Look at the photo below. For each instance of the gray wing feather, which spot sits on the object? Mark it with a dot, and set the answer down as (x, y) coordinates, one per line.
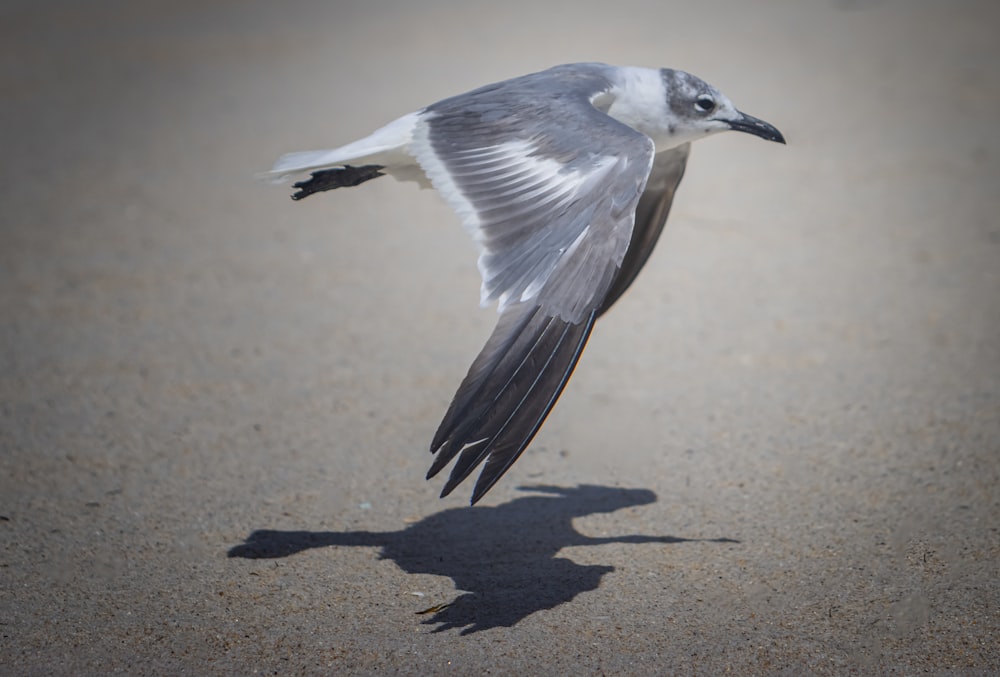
(546, 184)
(509, 390)
(650, 216)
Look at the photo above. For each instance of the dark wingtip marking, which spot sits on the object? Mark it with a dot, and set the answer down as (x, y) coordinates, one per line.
(338, 177)
(506, 396)
(498, 464)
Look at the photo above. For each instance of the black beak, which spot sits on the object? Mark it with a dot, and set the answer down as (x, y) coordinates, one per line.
(751, 125)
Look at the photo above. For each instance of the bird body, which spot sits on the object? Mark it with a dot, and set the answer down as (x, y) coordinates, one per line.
(564, 179)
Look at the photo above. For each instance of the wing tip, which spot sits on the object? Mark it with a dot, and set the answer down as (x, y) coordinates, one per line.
(501, 447)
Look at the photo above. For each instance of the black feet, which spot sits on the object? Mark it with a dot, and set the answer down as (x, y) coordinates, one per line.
(339, 177)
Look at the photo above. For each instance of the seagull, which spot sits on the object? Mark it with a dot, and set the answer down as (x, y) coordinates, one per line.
(564, 179)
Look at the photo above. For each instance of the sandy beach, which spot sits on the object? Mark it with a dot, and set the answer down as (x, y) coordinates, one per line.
(780, 453)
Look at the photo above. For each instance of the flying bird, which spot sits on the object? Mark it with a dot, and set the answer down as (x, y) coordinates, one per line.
(564, 179)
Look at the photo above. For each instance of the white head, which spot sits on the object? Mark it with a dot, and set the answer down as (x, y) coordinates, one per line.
(696, 109)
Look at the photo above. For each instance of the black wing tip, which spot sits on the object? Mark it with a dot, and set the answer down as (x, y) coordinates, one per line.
(501, 449)
(483, 484)
(449, 488)
(337, 177)
(442, 459)
(482, 488)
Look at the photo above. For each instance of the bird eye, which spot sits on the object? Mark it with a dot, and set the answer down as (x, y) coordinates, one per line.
(705, 104)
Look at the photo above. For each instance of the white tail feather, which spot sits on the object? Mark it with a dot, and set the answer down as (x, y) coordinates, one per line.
(388, 146)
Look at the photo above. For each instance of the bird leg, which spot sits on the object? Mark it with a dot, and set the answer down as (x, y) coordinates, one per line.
(338, 177)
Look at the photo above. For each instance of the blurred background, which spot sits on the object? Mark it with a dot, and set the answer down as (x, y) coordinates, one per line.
(806, 376)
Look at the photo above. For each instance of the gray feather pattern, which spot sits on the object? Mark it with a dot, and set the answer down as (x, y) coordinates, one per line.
(522, 167)
(650, 217)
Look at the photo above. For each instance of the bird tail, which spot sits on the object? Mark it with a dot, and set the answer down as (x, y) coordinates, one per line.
(387, 147)
(291, 165)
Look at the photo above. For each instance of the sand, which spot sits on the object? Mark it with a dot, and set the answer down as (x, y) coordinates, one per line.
(780, 453)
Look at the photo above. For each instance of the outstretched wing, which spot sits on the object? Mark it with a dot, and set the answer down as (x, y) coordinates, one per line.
(548, 187)
(508, 392)
(650, 216)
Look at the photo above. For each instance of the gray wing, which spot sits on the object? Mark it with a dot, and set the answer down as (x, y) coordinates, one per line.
(509, 390)
(650, 216)
(548, 187)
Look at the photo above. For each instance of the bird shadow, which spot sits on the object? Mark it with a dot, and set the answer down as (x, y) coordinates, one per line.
(503, 558)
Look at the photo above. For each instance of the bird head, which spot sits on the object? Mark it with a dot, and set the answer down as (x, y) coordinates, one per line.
(698, 109)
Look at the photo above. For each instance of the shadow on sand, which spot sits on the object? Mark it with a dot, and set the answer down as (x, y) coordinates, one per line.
(504, 557)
